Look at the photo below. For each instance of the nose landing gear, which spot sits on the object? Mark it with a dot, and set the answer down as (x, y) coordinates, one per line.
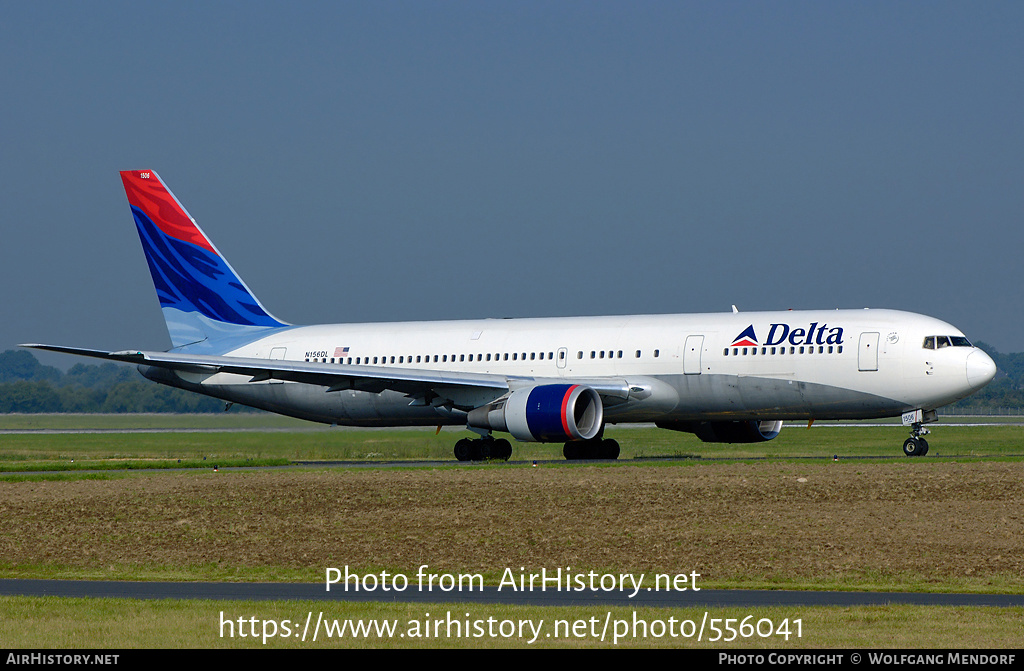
(916, 446)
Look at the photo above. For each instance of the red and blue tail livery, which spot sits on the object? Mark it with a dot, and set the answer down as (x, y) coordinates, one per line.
(200, 294)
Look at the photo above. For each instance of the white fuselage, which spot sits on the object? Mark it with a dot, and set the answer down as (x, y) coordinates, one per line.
(849, 364)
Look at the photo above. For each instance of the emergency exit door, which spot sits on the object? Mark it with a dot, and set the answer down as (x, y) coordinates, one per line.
(691, 354)
(867, 353)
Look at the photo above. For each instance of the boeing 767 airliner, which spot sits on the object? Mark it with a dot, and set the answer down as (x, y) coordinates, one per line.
(729, 377)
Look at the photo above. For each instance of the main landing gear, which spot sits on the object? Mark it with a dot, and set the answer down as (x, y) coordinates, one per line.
(598, 448)
(916, 446)
(482, 449)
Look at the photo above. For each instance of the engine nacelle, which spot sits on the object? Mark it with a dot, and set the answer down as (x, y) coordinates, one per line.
(751, 431)
(548, 413)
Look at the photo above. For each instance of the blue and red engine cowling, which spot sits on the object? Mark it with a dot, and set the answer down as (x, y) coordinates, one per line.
(549, 413)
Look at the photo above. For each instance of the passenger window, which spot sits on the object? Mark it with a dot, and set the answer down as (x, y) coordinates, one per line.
(656, 353)
(725, 352)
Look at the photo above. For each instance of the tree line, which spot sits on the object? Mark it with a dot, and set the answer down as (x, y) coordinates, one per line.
(27, 386)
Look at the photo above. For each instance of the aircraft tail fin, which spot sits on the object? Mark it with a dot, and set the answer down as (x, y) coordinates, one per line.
(201, 295)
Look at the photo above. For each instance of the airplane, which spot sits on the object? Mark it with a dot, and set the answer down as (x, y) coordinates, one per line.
(730, 377)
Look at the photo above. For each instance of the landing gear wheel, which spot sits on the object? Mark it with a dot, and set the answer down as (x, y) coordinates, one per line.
(464, 449)
(912, 447)
(502, 449)
(591, 449)
(485, 448)
(916, 445)
(609, 449)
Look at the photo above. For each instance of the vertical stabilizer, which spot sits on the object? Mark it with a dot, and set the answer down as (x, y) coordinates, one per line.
(202, 297)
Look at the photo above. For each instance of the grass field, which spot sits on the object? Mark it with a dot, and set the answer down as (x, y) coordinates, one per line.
(951, 521)
(259, 439)
(55, 623)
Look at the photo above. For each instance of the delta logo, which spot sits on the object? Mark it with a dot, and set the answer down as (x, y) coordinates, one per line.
(778, 334)
(746, 339)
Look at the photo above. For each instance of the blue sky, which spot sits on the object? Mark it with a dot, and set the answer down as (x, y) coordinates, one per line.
(388, 161)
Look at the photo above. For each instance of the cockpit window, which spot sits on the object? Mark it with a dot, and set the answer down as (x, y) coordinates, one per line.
(938, 342)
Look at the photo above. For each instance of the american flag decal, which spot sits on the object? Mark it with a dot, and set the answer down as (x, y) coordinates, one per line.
(340, 351)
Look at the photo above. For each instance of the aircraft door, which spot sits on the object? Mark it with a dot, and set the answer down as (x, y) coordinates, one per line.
(691, 354)
(867, 353)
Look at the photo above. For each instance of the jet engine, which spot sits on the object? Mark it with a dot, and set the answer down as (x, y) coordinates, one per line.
(548, 413)
(751, 431)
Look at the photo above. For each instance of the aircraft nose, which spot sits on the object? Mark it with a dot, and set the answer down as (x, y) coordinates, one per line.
(980, 369)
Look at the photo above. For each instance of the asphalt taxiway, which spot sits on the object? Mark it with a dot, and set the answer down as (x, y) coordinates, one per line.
(118, 589)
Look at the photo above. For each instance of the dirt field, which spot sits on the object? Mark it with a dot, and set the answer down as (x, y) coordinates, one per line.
(869, 524)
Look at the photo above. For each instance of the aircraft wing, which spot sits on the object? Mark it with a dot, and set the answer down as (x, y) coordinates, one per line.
(462, 388)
